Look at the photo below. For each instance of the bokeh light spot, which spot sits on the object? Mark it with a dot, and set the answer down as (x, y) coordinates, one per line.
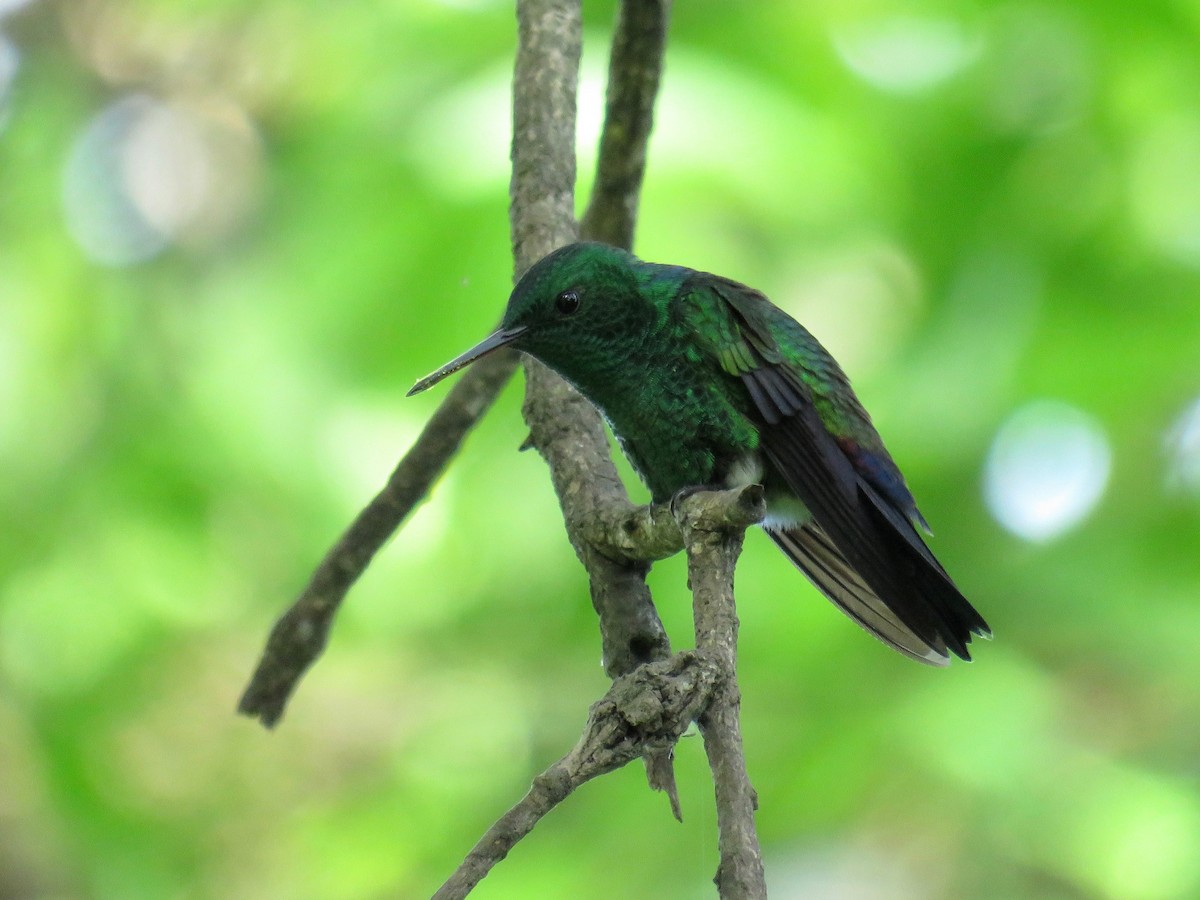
(11, 6)
(101, 215)
(1183, 450)
(165, 169)
(1047, 469)
(905, 54)
(10, 61)
(146, 173)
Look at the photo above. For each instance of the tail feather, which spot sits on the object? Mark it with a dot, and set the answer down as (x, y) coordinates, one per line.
(862, 550)
(811, 550)
(930, 581)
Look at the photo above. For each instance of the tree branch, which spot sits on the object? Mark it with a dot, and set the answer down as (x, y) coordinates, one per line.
(646, 710)
(713, 534)
(634, 72)
(299, 636)
(644, 713)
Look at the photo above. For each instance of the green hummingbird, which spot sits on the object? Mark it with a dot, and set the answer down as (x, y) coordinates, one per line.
(706, 383)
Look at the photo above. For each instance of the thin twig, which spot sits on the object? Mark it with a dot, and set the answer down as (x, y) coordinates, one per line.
(646, 710)
(712, 550)
(299, 636)
(634, 73)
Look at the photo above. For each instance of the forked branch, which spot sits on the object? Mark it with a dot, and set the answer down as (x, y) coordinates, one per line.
(643, 711)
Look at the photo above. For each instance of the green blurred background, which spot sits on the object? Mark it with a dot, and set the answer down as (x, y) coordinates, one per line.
(232, 234)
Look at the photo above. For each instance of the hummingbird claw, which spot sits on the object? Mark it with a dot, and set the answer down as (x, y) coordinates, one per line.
(682, 494)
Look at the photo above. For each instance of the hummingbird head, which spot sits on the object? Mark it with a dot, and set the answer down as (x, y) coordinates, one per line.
(572, 309)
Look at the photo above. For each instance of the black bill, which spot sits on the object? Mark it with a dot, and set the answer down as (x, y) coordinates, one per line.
(494, 341)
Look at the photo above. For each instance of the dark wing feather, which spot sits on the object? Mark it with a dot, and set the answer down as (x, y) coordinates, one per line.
(917, 590)
(810, 549)
(930, 579)
(862, 551)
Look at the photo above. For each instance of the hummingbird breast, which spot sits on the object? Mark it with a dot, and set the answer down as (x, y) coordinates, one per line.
(678, 423)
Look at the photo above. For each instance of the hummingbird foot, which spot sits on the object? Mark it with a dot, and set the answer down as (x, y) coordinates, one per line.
(682, 494)
(726, 508)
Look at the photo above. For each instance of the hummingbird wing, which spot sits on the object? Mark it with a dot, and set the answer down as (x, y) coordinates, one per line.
(813, 553)
(860, 547)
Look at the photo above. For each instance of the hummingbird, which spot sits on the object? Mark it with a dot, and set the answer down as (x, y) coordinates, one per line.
(707, 384)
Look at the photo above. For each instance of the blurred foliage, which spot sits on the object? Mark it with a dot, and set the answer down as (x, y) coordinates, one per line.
(233, 234)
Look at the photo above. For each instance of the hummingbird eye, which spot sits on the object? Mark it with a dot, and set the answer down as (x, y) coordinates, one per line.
(567, 302)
